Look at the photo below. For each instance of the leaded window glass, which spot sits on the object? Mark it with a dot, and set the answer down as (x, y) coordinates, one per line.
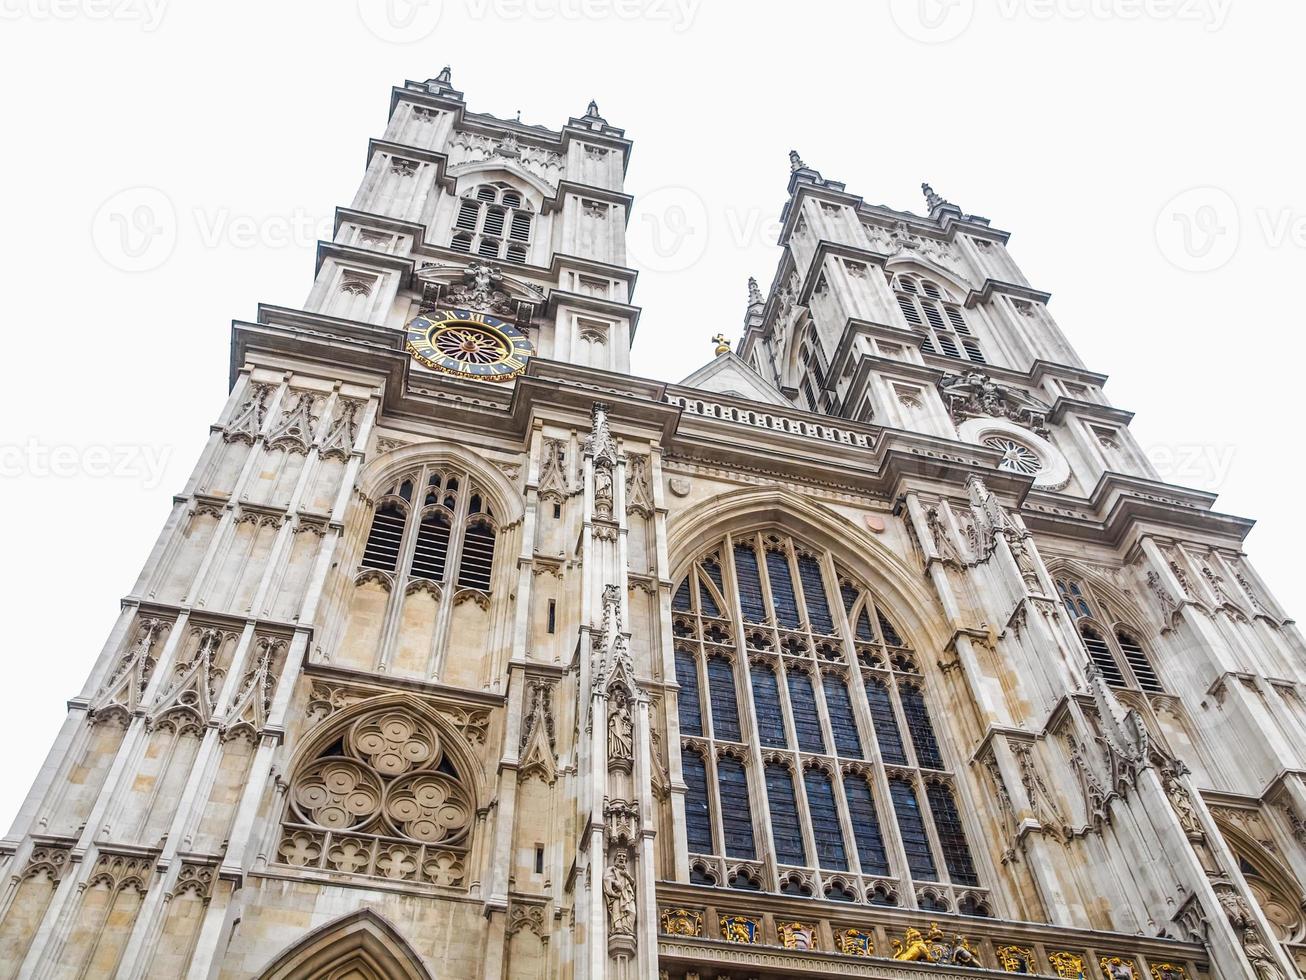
(736, 811)
(698, 815)
(952, 839)
(818, 607)
(782, 589)
(886, 724)
(847, 741)
(802, 701)
(750, 584)
(866, 825)
(786, 831)
(766, 611)
(825, 820)
(766, 704)
(725, 705)
(690, 711)
(918, 724)
(911, 825)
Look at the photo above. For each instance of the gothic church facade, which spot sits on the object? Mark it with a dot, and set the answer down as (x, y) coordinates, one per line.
(874, 648)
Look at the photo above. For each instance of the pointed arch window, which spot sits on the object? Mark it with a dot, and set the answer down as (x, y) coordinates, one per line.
(806, 628)
(493, 221)
(928, 310)
(425, 526)
(1114, 649)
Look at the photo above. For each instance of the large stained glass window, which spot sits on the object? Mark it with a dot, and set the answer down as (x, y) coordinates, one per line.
(774, 643)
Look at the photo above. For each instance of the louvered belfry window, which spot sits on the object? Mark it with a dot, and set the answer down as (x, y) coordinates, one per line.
(1113, 647)
(434, 525)
(493, 221)
(929, 311)
(780, 647)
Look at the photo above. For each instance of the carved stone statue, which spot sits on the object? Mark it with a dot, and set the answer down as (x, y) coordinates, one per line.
(619, 894)
(943, 543)
(912, 947)
(1182, 803)
(1235, 908)
(621, 743)
(1261, 959)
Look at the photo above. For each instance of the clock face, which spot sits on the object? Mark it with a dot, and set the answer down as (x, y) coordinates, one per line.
(469, 345)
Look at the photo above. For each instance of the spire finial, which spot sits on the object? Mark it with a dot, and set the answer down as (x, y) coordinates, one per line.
(446, 75)
(796, 162)
(722, 344)
(754, 293)
(934, 200)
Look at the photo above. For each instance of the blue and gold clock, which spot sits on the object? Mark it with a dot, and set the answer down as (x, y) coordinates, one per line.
(469, 345)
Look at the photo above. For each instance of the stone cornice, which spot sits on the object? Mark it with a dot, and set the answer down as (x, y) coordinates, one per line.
(994, 287)
(1064, 407)
(593, 304)
(781, 443)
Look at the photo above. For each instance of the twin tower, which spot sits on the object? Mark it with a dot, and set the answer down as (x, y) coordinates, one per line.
(874, 648)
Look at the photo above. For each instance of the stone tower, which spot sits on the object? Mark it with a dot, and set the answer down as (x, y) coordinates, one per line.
(464, 653)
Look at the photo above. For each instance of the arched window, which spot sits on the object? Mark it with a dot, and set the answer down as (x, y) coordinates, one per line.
(1115, 650)
(927, 309)
(812, 371)
(419, 532)
(381, 797)
(493, 221)
(802, 659)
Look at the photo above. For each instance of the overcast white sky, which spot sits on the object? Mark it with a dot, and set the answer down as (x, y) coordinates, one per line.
(1081, 126)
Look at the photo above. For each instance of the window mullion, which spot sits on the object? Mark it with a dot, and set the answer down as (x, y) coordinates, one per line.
(459, 529)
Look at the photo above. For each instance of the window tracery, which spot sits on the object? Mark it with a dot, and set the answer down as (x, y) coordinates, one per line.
(1113, 648)
(927, 308)
(382, 799)
(774, 645)
(429, 523)
(494, 221)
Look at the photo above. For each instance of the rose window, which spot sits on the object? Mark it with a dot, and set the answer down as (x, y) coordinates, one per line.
(1016, 456)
